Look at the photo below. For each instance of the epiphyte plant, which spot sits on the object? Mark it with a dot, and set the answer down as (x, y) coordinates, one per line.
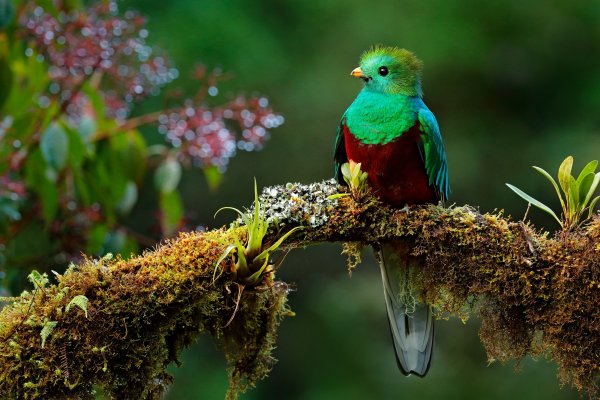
(355, 178)
(577, 196)
(251, 262)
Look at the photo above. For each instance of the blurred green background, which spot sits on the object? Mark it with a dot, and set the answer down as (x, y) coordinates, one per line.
(513, 83)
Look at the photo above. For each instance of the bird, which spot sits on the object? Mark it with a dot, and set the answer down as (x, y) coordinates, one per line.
(394, 136)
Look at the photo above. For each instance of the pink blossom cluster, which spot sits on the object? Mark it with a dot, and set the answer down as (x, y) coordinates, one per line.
(211, 136)
(12, 188)
(98, 40)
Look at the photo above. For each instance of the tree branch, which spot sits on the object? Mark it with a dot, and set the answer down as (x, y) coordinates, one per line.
(534, 294)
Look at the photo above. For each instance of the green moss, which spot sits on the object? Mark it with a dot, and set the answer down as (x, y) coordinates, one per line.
(535, 294)
(141, 313)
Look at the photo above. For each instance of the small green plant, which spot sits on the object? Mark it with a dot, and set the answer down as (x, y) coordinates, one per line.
(356, 180)
(355, 177)
(577, 196)
(252, 261)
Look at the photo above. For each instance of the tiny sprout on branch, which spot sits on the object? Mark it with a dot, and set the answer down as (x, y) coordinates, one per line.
(355, 178)
(251, 262)
(577, 196)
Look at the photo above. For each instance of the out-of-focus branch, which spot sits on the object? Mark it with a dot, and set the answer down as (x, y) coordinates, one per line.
(535, 295)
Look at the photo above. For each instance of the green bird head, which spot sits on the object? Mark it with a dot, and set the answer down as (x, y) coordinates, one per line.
(390, 70)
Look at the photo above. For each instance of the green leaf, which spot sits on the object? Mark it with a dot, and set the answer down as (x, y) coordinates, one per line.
(345, 169)
(77, 149)
(47, 329)
(242, 262)
(337, 196)
(533, 201)
(38, 280)
(275, 246)
(564, 175)
(253, 279)
(573, 194)
(167, 175)
(6, 75)
(553, 182)
(129, 198)
(49, 196)
(257, 228)
(96, 238)
(87, 128)
(592, 205)
(133, 156)
(6, 13)
(241, 214)
(54, 145)
(592, 189)
(80, 301)
(589, 168)
(584, 186)
(37, 178)
(213, 178)
(228, 250)
(171, 209)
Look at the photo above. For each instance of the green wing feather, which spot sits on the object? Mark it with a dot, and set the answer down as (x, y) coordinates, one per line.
(434, 154)
(339, 154)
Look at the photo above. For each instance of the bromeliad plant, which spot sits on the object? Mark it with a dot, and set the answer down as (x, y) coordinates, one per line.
(578, 193)
(251, 262)
(355, 178)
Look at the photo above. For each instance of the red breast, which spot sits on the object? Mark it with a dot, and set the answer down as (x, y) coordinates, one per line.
(396, 170)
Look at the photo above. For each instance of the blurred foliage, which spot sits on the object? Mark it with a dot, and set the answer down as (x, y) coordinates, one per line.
(73, 159)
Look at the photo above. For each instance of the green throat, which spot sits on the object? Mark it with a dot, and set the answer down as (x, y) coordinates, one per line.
(379, 118)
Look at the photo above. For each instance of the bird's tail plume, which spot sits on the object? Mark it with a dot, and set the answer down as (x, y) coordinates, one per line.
(411, 321)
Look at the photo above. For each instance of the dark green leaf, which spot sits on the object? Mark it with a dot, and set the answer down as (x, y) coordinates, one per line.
(167, 175)
(54, 144)
(49, 196)
(592, 205)
(213, 178)
(129, 152)
(592, 189)
(87, 128)
(589, 168)
(96, 239)
(77, 149)
(171, 209)
(573, 195)
(129, 198)
(6, 13)
(6, 77)
(584, 186)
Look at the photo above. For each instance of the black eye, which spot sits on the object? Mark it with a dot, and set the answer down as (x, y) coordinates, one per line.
(383, 71)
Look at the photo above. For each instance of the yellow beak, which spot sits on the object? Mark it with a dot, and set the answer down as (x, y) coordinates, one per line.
(357, 72)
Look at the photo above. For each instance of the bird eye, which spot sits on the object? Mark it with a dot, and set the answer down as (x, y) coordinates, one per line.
(383, 71)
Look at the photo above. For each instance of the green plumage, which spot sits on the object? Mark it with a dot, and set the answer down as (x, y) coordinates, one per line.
(379, 118)
(390, 105)
(396, 138)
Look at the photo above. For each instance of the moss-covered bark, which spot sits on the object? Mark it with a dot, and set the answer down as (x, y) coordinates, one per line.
(535, 295)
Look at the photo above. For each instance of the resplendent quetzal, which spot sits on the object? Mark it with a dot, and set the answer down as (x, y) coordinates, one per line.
(391, 132)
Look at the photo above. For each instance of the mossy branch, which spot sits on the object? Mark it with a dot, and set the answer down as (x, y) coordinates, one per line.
(535, 294)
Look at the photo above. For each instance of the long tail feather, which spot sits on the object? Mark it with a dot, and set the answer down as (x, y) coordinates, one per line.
(411, 322)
